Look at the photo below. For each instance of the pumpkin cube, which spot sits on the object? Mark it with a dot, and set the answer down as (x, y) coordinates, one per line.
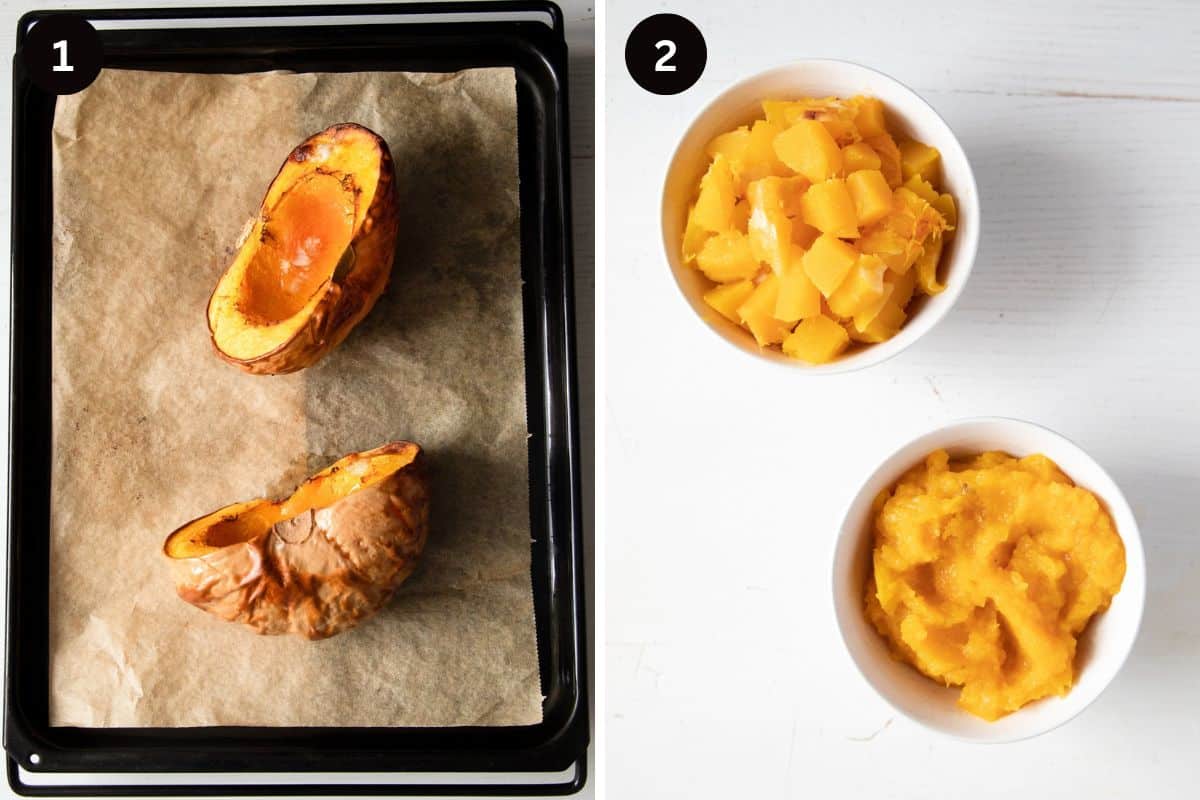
(732, 146)
(872, 195)
(885, 325)
(694, 237)
(915, 219)
(792, 191)
(798, 298)
(760, 159)
(919, 159)
(804, 234)
(921, 188)
(927, 267)
(727, 257)
(945, 206)
(714, 206)
(841, 129)
(741, 215)
(903, 286)
(896, 250)
(758, 312)
(829, 208)
(859, 155)
(828, 261)
(769, 228)
(869, 119)
(817, 340)
(889, 158)
(866, 315)
(809, 149)
(727, 298)
(862, 287)
(783, 112)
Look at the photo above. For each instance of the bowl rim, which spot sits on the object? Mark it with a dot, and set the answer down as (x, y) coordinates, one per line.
(878, 353)
(1131, 539)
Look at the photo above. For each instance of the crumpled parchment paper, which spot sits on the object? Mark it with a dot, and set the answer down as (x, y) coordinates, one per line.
(155, 175)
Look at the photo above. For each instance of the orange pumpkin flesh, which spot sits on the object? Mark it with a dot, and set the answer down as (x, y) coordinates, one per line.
(306, 235)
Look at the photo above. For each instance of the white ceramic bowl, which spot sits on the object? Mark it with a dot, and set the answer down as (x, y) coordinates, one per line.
(907, 114)
(1103, 647)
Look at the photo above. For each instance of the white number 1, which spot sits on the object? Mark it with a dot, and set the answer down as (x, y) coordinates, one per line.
(62, 65)
(661, 65)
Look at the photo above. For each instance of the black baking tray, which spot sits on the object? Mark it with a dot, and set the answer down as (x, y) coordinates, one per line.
(428, 37)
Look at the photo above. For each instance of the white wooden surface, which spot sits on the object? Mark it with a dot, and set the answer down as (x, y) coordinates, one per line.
(725, 480)
(579, 16)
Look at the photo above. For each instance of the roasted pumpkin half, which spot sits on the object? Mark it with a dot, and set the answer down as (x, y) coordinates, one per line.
(318, 562)
(314, 260)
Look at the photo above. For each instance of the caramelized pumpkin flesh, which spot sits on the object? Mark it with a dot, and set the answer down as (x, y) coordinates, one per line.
(302, 241)
(986, 570)
(242, 522)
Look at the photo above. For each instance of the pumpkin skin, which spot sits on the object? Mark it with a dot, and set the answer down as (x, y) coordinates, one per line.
(315, 259)
(317, 563)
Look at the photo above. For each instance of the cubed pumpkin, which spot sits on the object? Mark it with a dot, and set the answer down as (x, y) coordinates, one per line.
(917, 219)
(799, 297)
(849, 221)
(829, 208)
(862, 287)
(758, 312)
(842, 129)
(817, 340)
(741, 215)
(859, 155)
(919, 159)
(808, 149)
(804, 234)
(732, 146)
(889, 157)
(895, 250)
(945, 206)
(727, 298)
(921, 187)
(785, 112)
(872, 195)
(792, 190)
(694, 237)
(905, 285)
(927, 267)
(885, 325)
(761, 160)
(770, 230)
(870, 118)
(714, 206)
(727, 257)
(828, 261)
(782, 112)
(866, 315)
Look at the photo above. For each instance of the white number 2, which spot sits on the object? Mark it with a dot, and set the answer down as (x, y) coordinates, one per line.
(62, 65)
(661, 65)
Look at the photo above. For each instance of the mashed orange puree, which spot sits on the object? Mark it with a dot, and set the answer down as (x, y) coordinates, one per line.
(985, 571)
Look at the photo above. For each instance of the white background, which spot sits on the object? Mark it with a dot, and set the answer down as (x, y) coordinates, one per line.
(580, 24)
(725, 479)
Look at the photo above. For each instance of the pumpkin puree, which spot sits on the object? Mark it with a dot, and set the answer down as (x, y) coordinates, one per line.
(986, 570)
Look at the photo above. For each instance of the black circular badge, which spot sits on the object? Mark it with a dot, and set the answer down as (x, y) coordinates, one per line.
(666, 54)
(63, 53)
